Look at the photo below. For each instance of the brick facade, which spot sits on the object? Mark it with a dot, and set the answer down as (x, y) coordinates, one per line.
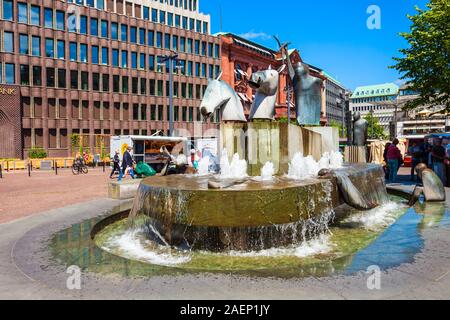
(10, 122)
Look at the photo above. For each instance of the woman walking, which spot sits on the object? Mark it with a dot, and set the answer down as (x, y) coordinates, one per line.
(395, 159)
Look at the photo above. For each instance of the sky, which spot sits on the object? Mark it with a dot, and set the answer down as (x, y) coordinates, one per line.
(331, 35)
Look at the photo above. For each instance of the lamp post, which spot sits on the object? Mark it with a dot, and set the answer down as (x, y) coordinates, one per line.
(172, 57)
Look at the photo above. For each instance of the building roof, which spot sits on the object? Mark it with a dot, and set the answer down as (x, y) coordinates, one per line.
(378, 90)
(247, 43)
(330, 77)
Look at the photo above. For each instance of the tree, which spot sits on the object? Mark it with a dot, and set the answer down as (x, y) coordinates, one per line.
(425, 64)
(338, 125)
(375, 130)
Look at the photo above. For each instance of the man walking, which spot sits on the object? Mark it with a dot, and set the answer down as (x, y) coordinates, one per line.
(127, 164)
(116, 165)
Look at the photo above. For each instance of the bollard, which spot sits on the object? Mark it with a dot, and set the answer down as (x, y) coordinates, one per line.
(1, 173)
(56, 166)
(104, 165)
(29, 170)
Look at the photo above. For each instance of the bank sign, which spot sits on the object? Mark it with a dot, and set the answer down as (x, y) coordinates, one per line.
(7, 91)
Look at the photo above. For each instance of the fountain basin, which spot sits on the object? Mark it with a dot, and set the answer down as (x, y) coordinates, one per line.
(254, 215)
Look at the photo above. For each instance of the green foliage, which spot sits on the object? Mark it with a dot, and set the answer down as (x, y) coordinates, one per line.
(375, 130)
(335, 124)
(37, 153)
(425, 64)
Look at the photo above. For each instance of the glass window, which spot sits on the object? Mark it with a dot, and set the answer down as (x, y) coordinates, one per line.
(94, 27)
(151, 38)
(162, 16)
(124, 59)
(23, 12)
(83, 24)
(142, 36)
(175, 43)
(8, 11)
(177, 21)
(61, 78)
(8, 41)
(154, 15)
(115, 57)
(146, 13)
(170, 19)
(23, 44)
(60, 20)
(198, 26)
(114, 31)
(48, 18)
(189, 48)
(10, 76)
(83, 52)
(104, 26)
(134, 60)
(74, 79)
(159, 39)
(142, 61)
(124, 84)
(50, 77)
(49, 48)
(71, 23)
(205, 27)
(183, 44)
(73, 51)
(185, 23)
(124, 32)
(37, 76)
(105, 56)
(61, 49)
(95, 52)
(151, 62)
(24, 74)
(84, 80)
(197, 47)
(105, 82)
(35, 15)
(216, 51)
(133, 34)
(101, 4)
(167, 41)
(36, 46)
(96, 81)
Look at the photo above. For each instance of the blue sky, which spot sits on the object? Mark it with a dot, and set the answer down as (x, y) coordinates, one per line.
(332, 35)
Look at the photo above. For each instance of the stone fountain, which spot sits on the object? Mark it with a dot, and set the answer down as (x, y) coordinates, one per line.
(271, 194)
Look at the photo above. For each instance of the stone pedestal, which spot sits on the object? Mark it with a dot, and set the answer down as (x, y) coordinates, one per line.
(263, 141)
(123, 190)
(354, 154)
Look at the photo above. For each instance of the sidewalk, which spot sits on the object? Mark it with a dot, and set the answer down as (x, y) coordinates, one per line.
(22, 196)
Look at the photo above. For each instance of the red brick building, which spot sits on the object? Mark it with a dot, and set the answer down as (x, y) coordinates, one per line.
(241, 57)
(102, 75)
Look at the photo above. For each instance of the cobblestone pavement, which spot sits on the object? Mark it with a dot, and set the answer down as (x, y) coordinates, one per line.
(22, 196)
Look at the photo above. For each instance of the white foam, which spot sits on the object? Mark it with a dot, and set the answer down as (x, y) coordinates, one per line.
(237, 169)
(203, 166)
(380, 217)
(310, 248)
(301, 167)
(130, 244)
(267, 172)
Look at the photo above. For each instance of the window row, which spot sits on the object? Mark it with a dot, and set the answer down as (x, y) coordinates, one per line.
(58, 109)
(31, 14)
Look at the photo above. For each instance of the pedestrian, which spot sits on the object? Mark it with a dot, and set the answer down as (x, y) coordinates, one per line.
(127, 164)
(116, 164)
(438, 157)
(386, 166)
(416, 153)
(395, 159)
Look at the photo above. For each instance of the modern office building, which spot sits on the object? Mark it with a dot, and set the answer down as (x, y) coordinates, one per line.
(380, 100)
(335, 100)
(95, 67)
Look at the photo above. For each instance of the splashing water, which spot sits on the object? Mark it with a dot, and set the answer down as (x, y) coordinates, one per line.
(237, 169)
(131, 244)
(203, 166)
(306, 167)
(267, 172)
(378, 218)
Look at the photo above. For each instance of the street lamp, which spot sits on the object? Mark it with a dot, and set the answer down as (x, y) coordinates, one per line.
(172, 57)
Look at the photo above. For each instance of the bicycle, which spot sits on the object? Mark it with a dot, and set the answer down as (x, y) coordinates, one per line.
(79, 167)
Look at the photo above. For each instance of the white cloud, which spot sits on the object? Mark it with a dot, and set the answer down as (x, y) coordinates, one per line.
(252, 35)
(400, 82)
